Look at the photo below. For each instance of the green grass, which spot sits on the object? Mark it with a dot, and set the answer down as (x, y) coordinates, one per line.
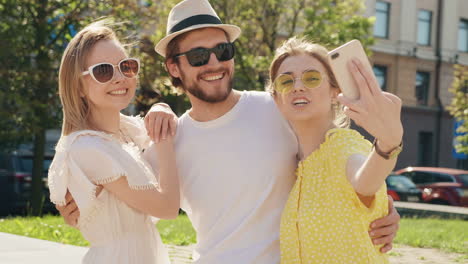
(176, 232)
(48, 228)
(445, 234)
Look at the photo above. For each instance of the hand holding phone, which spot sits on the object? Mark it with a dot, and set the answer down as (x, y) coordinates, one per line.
(338, 60)
(379, 113)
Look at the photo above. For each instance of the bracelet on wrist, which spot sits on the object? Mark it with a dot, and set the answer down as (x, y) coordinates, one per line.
(393, 153)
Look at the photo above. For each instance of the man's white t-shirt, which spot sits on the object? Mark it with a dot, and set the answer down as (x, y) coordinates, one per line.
(235, 175)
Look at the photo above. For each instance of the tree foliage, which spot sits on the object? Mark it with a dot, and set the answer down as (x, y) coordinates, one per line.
(333, 23)
(266, 23)
(35, 33)
(34, 36)
(459, 106)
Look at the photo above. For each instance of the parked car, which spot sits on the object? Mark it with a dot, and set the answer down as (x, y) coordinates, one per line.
(402, 189)
(16, 181)
(440, 185)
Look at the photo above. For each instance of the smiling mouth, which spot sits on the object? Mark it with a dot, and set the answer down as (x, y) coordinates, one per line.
(213, 77)
(118, 92)
(300, 102)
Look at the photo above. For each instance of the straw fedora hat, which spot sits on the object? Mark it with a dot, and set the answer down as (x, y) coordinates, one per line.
(189, 15)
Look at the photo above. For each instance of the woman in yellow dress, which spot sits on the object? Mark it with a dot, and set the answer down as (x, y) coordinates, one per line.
(340, 186)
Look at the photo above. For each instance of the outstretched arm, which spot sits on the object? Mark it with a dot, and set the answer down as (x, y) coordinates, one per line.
(379, 114)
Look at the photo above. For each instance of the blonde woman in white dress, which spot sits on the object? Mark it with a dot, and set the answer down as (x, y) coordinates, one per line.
(98, 158)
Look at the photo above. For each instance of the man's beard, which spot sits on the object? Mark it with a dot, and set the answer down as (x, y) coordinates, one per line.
(197, 91)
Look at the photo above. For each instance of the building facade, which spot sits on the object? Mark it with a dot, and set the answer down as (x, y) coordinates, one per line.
(417, 44)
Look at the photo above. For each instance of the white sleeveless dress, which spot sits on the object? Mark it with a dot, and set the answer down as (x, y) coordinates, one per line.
(116, 232)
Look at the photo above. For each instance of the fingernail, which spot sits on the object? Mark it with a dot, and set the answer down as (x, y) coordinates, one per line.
(371, 233)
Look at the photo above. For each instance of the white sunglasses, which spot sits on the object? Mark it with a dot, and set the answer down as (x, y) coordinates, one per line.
(104, 72)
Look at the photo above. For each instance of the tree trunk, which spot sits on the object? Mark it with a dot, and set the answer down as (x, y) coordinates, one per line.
(43, 63)
(37, 195)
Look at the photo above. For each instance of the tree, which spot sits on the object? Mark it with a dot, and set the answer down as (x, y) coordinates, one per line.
(266, 23)
(333, 23)
(35, 33)
(459, 106)
(34, 36)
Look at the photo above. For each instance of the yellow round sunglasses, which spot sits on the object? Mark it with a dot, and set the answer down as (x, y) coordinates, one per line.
(284, 83)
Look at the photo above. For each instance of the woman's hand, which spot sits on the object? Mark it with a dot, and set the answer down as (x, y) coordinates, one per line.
(376, 111)
(160, 122)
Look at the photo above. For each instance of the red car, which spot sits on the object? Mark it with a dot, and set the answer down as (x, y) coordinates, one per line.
(440, 185)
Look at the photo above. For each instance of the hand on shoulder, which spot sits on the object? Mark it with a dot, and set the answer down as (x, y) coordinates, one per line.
(161, 122)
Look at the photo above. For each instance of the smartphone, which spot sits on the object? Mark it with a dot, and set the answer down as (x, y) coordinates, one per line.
(338, 59)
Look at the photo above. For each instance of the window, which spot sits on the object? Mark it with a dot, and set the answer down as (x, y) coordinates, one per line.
(443, 178)
(408, 174)
(382, 10)
(464, 179)
(381, 75)
(463, 35)
(425, 149)
(25, 163)
(420, 177)
(399, 182)
(5, 165)
(424, 27)
(422, 87)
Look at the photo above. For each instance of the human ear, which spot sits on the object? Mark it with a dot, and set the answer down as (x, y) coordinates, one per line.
(173, 68)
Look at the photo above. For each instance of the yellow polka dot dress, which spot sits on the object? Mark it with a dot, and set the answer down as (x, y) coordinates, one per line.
(324, 220)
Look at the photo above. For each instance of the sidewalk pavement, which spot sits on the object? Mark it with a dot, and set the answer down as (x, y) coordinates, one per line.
(16, 249)
(24, 250)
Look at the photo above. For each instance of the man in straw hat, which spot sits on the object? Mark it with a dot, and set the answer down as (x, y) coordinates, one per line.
(236, 155)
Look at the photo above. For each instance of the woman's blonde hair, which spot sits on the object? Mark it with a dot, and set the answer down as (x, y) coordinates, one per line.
(299, 46)
(76, 107)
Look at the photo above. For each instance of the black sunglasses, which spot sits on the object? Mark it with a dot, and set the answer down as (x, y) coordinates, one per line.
(200, 56)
